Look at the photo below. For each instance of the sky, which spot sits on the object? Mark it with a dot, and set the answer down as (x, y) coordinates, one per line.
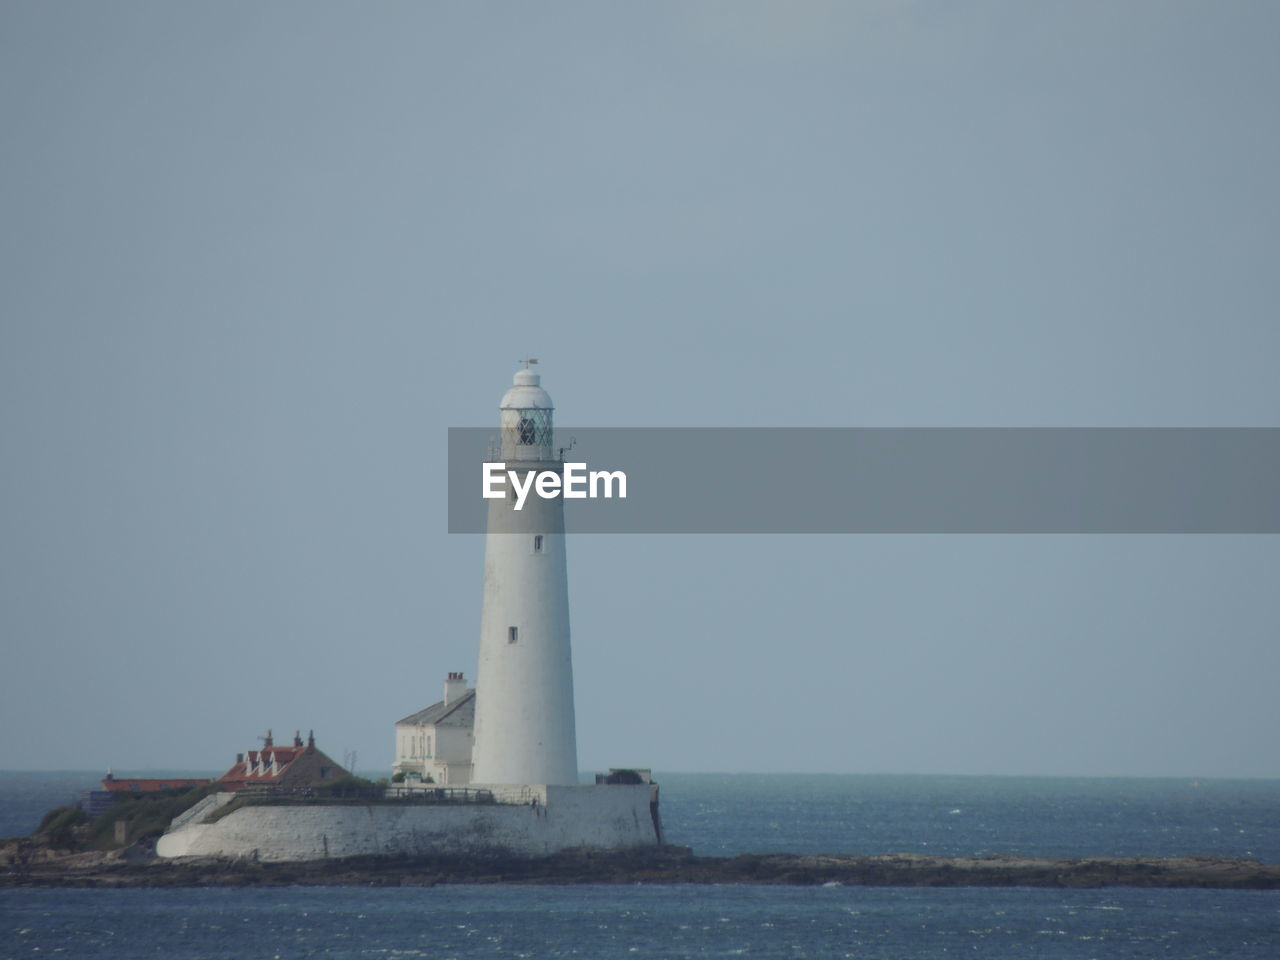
(257, 258)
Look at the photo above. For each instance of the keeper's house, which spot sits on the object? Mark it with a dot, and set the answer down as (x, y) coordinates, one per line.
(434, 744)
(284, 768)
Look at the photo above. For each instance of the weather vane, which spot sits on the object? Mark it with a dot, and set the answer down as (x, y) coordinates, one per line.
(527, 362)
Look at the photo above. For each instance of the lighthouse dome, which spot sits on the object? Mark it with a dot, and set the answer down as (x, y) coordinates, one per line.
(525, 393)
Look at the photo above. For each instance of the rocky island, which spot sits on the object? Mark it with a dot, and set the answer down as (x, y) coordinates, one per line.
(30, 864)
(117, 848)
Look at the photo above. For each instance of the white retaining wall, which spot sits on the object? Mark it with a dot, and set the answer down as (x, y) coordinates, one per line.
(601, 816)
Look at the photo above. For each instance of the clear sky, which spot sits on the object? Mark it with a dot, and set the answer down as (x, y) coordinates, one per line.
(255, 258)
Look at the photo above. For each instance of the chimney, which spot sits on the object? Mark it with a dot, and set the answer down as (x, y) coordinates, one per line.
(239, 758)
(297, 738)
(311, 739)
(455, 688)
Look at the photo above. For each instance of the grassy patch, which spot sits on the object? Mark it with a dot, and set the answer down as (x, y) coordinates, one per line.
(58, 827)
(144, 815)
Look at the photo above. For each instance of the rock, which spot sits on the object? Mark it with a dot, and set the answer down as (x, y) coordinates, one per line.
(135, 867)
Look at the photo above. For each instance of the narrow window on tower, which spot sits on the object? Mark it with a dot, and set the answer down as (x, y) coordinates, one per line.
(537, 543)
(513, 634)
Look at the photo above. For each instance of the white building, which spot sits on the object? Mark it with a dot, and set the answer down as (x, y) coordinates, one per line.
(434, 744)
(525, 731)
(517, 726)
(508, 748)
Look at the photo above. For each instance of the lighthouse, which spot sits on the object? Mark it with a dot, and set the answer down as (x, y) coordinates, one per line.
(497, 766)
(524, 722)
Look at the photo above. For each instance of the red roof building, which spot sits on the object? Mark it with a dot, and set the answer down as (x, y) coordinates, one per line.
(149, 785)
(297, 765)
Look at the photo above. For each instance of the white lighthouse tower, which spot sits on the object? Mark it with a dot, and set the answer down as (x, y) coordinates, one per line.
(519, 754)
(524, 728)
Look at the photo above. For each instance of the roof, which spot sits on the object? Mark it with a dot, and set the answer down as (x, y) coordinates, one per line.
(242, 772)
(526, 392)
(150, 784)
(459, 713)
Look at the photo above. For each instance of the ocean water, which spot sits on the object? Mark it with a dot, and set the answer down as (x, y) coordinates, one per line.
(725, 815)
(600, 923)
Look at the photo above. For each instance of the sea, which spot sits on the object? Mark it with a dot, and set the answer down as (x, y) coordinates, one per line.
(724, 815)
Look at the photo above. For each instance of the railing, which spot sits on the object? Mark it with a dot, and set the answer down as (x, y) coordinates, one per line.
(265, 794)
(439, 795)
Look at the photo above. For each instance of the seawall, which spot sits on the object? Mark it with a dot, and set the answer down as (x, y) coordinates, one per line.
(601, 817)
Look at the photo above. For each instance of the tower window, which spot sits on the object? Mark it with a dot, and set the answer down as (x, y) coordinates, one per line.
(513, 634)
(527, 431)
(537, 543)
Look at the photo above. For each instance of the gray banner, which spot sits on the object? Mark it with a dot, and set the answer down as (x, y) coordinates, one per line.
(855, 480)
